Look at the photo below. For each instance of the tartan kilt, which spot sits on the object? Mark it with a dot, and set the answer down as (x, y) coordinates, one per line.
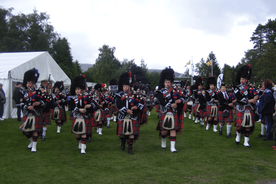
(38, 122)
(230, 118)
(135, 127)
(47, 117)
(110, 113)
(178, 126)
(102, 118)
(194, 107)
(239, 117)
(150, 107)
(113, 109)
(157, 108)
(144, 117)
(202, 113)
(88, 126)
(185, 107)
(208, 110)
(92, 121)
(62, 115)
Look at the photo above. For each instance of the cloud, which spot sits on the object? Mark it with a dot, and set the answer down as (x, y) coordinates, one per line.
(162, 32)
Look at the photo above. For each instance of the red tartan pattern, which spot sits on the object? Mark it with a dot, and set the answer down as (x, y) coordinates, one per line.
(144, 118)
(135, 127)
(157, 108)
(62, 115)
(47, 117)
(181, 122)
(185, 107)
(38, 122)
(208, 110)
(102, 119)
(114, 109)
(230, 118)
(150, 107)
(88, 126)
(178, 126)
(239, 117)
(110, 112)
(202, 113)
(195, 108)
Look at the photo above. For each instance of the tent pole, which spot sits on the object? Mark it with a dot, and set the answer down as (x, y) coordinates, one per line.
(10, 96)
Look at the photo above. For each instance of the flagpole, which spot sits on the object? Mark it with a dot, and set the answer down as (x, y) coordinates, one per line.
(212, 69)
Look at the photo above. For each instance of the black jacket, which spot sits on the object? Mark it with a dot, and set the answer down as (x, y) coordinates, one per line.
(17, 95)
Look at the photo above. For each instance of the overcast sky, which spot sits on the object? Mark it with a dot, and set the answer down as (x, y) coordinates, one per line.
(162, 32)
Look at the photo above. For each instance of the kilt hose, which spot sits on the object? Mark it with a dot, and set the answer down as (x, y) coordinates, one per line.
(88, 126)
(178, 126)
(135, 127)
(229, 119)
(38, 122)
(47, 120)
(239, 117)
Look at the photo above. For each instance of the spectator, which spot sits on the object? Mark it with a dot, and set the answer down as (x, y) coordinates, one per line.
(2, 101)
(17, 95)
(266, 108)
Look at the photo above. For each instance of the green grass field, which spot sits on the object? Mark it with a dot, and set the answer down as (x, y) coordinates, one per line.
(202, 157)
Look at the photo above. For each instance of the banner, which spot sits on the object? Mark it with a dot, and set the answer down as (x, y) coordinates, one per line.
(219, 81)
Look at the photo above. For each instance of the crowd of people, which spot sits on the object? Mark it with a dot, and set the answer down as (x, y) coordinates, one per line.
(128, 103)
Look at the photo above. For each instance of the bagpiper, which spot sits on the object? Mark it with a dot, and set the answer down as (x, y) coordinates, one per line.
(225, 110)
(244, 111)
(59, 114)
(32, 103)
(212, 106)
(81, 124)
(170, 103)
(128, 125)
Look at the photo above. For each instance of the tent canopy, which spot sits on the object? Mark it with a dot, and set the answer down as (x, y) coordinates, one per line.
(17, 63)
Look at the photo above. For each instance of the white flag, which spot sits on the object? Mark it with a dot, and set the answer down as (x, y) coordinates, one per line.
(219, 81)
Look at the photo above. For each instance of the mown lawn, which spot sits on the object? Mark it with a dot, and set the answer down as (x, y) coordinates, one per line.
(202, 157)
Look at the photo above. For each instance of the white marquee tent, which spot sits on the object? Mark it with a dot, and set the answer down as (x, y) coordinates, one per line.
(13, 65)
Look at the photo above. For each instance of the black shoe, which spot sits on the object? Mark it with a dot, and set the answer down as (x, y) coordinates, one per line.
(228, 135)
(220, 132)
(123, 147)
(43, 138)
(107, 126)
(237, 142)
(130, 151)
(88, 140)
(260, 136)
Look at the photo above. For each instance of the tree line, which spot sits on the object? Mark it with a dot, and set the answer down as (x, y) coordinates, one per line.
(33, 32)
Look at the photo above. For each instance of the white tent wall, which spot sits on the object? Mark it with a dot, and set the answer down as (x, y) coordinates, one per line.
(13, 67)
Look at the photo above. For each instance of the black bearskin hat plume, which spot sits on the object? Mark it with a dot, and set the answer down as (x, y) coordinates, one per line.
(166, 74)
(209, 81)
(78, 82)
(30, 76)
(125, 79)
(98, 87)
(199, 81)
(113, 82)
(243, 72)
(59, 85)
